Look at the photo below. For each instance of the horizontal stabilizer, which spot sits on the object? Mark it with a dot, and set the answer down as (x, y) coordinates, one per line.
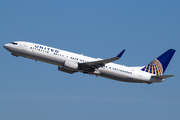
(162, 76)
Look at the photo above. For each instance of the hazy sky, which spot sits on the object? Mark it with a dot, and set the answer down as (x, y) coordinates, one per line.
(32, 90)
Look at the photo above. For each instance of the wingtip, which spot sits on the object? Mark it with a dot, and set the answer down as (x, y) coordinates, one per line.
(172, 49)
(121, 53)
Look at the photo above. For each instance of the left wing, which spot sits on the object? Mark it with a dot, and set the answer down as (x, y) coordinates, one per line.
(91, 66)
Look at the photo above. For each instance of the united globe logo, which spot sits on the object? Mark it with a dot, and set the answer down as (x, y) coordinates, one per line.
(155, 67)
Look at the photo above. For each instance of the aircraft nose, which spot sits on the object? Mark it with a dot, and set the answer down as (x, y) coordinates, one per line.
(6, 46)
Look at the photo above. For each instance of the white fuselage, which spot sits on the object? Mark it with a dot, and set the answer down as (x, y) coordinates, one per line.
(58, 57)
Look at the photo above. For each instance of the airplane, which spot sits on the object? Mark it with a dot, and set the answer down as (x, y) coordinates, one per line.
(70, 62)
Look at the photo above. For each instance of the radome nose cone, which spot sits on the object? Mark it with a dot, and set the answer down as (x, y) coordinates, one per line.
(6, 46)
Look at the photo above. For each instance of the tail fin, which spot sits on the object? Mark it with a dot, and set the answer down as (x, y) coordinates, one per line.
(159, 65)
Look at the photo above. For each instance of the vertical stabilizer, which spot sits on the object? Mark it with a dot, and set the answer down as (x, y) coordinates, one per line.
(159, 65)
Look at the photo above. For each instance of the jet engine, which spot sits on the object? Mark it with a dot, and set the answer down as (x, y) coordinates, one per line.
(69, 67)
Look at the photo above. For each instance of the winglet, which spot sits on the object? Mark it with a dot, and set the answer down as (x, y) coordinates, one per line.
(120, 54)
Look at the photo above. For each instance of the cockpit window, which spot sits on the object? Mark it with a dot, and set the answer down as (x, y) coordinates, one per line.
(14, 43)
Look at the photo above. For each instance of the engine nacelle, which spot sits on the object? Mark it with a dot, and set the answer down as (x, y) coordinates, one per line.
(70, 65)
(60, 68)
